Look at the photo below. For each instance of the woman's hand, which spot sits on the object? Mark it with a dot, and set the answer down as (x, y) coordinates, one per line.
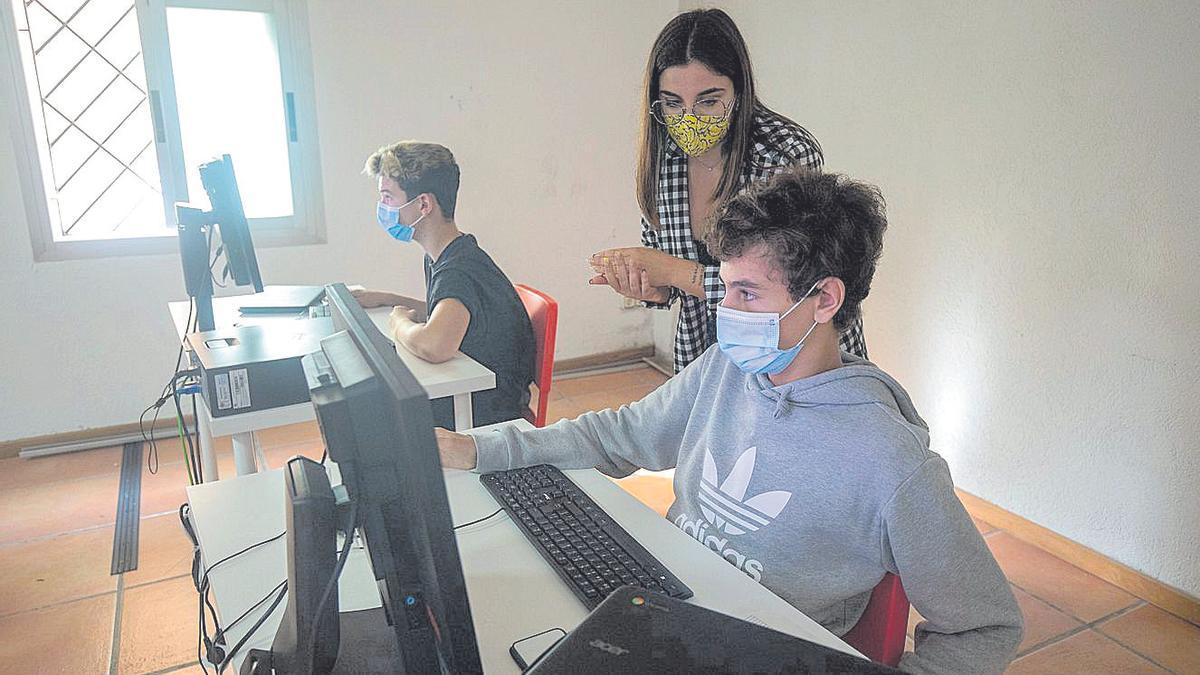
(636, 272)
(457, 450)
(661, 266)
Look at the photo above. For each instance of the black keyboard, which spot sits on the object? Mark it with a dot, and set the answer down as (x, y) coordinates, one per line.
(587, 548)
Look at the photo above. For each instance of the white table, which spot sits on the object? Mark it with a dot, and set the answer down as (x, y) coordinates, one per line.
(513, 592)
(457, 378)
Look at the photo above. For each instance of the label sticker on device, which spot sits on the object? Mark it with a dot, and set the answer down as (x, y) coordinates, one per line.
(240, 384)
(222, 386)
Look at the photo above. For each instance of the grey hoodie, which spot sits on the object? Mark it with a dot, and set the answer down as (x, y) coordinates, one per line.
(814, 489)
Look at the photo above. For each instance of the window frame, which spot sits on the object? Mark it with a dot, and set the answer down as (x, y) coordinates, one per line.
(306, 225)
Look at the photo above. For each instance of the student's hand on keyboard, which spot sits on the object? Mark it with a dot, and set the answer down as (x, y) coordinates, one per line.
(457, 450)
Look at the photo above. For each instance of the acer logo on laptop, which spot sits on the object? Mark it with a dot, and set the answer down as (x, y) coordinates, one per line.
(610, 648)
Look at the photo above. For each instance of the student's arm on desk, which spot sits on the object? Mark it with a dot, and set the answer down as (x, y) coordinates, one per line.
(644, 434)
(369, 299)
(438, 339)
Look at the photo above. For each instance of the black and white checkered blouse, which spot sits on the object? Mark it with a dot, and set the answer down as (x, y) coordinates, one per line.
(777, 144)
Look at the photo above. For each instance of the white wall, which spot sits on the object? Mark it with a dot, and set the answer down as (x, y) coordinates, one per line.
(1038, 290)
(538, 101)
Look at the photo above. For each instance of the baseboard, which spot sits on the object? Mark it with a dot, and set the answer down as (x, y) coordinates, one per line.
(1155, 592)
(619, 357)
(10, 449)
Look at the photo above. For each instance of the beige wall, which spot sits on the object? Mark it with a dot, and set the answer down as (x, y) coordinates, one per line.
(1038, 293)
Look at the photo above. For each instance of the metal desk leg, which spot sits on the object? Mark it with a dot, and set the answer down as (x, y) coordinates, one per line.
(243, 453)
(259, 456)
(463, 417)
(208, 454)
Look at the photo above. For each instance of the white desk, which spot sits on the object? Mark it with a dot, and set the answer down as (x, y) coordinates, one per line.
(512, 590)
(457, 378)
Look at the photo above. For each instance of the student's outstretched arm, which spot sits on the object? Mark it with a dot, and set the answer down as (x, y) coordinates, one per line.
(644, 434)
(439, 338)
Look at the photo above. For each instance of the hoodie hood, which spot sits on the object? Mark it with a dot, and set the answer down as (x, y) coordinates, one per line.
(857, 382)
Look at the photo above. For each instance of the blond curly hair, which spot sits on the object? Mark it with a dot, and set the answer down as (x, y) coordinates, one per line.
(419, 168)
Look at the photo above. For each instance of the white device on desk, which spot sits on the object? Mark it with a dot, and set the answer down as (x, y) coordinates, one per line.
(456, 378)
(248, 368)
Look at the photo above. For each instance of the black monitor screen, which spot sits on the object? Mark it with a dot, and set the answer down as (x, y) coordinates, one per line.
(377, 424)
(221, 185)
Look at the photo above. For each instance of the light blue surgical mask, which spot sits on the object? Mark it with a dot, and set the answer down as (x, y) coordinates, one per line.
(751, 339)
(389, 219)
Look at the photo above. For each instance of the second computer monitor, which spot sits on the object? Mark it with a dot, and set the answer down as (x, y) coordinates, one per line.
(220, 183)
(378, 426)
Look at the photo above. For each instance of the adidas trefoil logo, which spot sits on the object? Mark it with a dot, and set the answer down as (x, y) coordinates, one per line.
(726, 508)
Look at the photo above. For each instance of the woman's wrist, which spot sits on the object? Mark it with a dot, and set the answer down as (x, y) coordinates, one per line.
(690, 276)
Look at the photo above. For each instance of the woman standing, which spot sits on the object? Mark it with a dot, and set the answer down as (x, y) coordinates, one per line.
(705, 137)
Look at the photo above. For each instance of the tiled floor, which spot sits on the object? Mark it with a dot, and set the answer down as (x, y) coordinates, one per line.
(60, 611)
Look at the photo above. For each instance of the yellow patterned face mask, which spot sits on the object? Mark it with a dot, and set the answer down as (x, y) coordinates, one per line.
(696, 135)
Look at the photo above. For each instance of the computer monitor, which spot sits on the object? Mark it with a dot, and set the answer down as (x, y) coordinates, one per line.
(377, 425)
(195, 236)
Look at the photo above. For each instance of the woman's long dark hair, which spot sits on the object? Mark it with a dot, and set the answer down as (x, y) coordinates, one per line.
(710, 37)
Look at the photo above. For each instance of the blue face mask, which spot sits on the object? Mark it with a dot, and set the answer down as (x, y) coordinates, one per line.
(751, 339)
(389, 219)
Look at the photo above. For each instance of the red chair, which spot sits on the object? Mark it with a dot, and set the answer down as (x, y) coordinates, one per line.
(879, 634)
(543, 314)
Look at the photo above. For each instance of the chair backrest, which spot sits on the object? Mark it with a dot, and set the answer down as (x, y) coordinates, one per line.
(879, 634)
(543, 314)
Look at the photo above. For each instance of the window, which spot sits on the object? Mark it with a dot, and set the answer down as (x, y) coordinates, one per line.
(119, 102)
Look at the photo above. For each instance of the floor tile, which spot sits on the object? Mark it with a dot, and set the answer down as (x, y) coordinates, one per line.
(614, 398)
(191, 669)
(16, 472)
(563, 409)
(279, 455)
(291, 434)
(914, 618)
(1042, 622)
(555, 394)
(164, 551)
(38, 511)
(580, 386)
(1086, 653)
(71, 638)
(1066, 587)
(1159, 635)
(158, 626)
(164, 491)
(48, 571)
(985, 528)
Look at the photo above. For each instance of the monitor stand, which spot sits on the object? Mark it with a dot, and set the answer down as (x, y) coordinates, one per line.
(194, 227)
(368, 644)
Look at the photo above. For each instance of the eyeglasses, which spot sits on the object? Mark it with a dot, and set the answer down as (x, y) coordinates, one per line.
(709, 111)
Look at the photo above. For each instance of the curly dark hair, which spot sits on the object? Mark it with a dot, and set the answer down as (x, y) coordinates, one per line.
(813, 225)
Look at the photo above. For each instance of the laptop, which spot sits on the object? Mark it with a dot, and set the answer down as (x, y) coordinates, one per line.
(634, 631)
(280, 300)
